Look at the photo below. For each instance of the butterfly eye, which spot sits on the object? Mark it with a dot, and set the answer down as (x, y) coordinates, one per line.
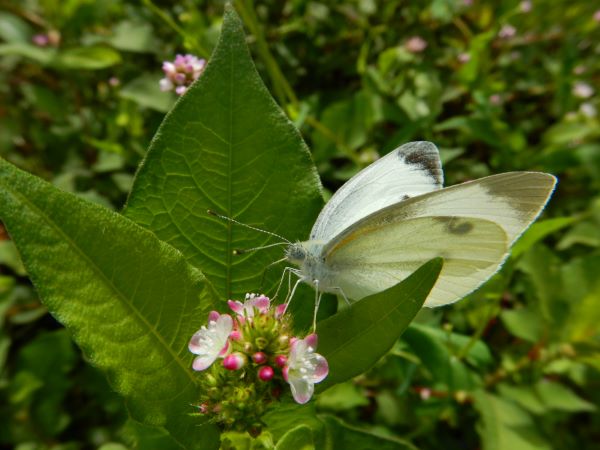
(295, 254)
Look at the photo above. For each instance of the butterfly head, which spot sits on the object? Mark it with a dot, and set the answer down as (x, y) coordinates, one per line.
(296, 253)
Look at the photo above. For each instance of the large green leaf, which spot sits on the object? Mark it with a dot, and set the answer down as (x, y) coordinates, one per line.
(355, 338)
(131, 301)
(504, 425)
(227, 146)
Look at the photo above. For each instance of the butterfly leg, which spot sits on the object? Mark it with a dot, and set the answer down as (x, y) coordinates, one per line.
(341, 291)
(288, 300)
(286, 271)
(264, 274)
(317, 302)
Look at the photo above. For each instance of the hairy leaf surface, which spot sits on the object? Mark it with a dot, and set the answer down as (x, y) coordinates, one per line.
(131, 301)
(226, 146)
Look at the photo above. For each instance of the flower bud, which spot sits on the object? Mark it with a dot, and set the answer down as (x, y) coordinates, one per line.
(261, 342)
(281, 360)
(266, 373)
(234, 361)
(259, 358)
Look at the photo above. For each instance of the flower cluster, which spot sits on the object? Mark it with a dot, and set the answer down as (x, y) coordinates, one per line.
(247, 358)
(181, 72)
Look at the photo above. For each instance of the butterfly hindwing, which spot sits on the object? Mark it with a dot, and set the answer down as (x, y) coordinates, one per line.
(384, 250)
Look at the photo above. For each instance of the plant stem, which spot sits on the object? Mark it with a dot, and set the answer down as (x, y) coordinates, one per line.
(197, 47)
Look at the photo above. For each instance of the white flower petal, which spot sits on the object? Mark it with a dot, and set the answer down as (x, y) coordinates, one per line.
(203, 362)
(302, 390)
(321, 368)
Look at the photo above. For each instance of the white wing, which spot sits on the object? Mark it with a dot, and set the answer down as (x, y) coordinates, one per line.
(512, 200)
(410, 170)
(382, 252)
(472, 226)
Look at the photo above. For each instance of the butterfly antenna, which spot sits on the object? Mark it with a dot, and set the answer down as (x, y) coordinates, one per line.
(239, 252)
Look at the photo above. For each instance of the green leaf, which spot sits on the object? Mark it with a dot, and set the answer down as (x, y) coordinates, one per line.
(504, 425)
(342, 397)
(13, 28)
(88, 58)
(144, 91)
(559, 397)
(133, 37)
(33, 359)
(525, 323)
(298, 438)
(437, 352)
(43, 56)
(354, 339)
(130, 301)
(10, 257)
(227, 146)
(340, 435)
(539, 231)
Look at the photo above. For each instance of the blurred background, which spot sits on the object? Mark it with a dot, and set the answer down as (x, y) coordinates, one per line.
(497, 85)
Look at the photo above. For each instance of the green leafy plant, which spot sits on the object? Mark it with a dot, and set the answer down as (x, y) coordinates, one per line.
(132, 288)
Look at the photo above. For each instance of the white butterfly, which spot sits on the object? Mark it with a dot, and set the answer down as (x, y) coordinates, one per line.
(394, 216)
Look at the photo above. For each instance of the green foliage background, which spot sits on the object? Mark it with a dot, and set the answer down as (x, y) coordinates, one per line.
(514, 366)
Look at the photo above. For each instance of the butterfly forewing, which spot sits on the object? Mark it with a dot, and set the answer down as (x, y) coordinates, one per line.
(410, 170)
(386, 247)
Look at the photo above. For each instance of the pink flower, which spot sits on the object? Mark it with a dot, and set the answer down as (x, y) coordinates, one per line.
(507, 31)
(181, 73)
(464, 58)
(211, 342)
(596, 16)
(526, 6)
(582, 90)
(41, 40)
(304, 368)
(415, 44)
(495, 99)
(252, 303)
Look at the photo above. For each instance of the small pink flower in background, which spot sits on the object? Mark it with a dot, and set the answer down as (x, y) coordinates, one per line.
(211, 342)
(50, 38)
(526, 6)
(114, 81)
(596, 16)
(495, 99)
(464, 58)
(507, 31)
(588, 110)
(425, 393)
(304, 368)
(415, 44)
(582, 90)
(181, 73)
(41, 40)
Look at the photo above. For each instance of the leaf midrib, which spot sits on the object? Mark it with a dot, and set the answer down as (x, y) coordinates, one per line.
(107, 282)
(229, 180)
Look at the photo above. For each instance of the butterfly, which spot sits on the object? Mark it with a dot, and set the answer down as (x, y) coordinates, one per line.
(395, 215)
